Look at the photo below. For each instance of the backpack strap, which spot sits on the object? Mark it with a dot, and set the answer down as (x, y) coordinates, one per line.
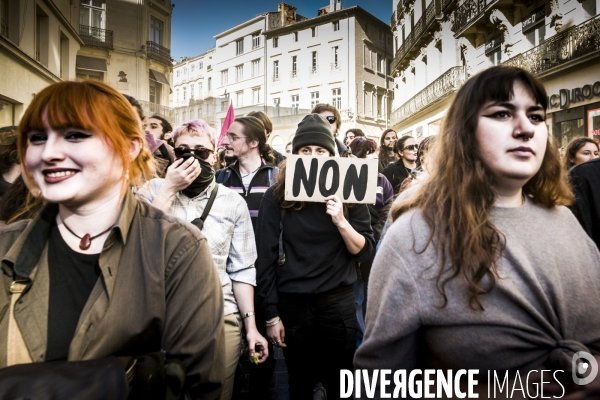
(223, 175)
(199, 222)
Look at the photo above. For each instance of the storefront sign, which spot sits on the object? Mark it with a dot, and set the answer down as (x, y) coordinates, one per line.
(493, 43)
(536, 16)
(566, 97)
(353, 180)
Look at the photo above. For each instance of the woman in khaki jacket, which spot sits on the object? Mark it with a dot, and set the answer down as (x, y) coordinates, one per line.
(97, 274)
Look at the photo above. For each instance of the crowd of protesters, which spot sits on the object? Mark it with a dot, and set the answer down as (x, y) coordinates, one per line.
(146, 261)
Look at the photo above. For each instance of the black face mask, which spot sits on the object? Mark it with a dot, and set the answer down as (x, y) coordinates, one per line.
(202, 181)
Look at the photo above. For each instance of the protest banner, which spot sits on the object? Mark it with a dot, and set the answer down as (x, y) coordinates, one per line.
(353, 180)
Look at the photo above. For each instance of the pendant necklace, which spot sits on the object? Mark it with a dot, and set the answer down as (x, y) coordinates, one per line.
(85, 241)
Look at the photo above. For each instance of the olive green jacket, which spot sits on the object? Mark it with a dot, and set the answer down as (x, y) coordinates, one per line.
(158, 290)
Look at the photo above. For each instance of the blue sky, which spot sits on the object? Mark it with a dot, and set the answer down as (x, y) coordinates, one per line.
(195, 22)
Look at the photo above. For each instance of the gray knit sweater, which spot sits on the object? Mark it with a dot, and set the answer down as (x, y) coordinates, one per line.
(545, 306)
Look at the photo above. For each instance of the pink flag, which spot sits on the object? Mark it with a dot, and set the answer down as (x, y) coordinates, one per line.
(228, 120)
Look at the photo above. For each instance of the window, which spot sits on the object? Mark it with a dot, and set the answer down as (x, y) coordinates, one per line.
(209, 84)
(239, 73)
(256, 96)
(193, 67)
(199, 89)
(224, 105)
(495, 57)
(178, 73)
(255, 41)
(184, 93)
(313, 31)
(336, 26)
(156, 28)
(314, 99)
(239, 99)
(380, 63)
(381, 36)
(224, 77)
(64, 56)
(314, 66)
(42, 25)
(239, 47)
(91, 13)
(295, 103)
(177, 95)
(276, 71)
(275, 42)
(276, 102)
(255, 68)
(191, 91)
(379, 106)
(295, 36)
(294, 66)
(200, 65)
(335, 59)
(336, 98)
(536, 36)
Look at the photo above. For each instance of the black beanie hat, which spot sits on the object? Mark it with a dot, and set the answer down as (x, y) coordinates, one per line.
(314, 130)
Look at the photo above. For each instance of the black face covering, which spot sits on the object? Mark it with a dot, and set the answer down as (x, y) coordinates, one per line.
(202, 181)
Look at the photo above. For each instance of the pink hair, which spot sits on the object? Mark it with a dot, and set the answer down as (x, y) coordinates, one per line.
(196, 127)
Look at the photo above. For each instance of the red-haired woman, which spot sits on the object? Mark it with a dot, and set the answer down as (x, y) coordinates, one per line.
(98, 274)
(484, 268)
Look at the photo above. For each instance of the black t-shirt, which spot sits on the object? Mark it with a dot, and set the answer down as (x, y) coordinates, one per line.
(72, 278)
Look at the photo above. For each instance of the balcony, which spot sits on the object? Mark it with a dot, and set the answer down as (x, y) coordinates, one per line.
(153, 108)
(447, 83)
(313, 71)
(335, 68)
(294, 75)
(420, 29)
(577, 42)
(159, 53)
(476, 12)
(276, 78)
(96, 37)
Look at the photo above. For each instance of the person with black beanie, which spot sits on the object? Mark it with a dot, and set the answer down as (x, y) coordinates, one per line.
(306, 270)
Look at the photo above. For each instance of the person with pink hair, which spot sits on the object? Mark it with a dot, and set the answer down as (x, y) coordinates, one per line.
(189, 192)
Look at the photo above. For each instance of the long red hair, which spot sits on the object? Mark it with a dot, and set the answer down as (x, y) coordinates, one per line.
(95, 107)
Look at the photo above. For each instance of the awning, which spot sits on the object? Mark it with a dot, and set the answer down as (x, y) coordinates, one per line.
(159, 77)
(91, 63)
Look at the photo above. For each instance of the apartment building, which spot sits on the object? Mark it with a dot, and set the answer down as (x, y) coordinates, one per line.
(283, 64)
(194, 95)
(38, 46)
(440, 43)
(127, 44)
(341, 57)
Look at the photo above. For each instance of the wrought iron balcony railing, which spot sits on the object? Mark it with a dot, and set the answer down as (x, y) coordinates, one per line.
(276, 78)
(96, 37)
(447, 83)
(159, 53)
(415, 35)
(469, 11)
(153, 108)
(312, 71)
(336, 67)
(561, 48)
(293, 75)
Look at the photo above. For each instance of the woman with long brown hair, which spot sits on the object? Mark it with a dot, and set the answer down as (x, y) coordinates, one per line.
(386, 149)
(100, 290)
(580, 150)
(489, 269)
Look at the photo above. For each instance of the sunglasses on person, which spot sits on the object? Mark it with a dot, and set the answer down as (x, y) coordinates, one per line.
(411, 147)
(202, 152)
(330, 119)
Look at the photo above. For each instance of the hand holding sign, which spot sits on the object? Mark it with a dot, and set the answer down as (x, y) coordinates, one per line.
(335, 208)
(350, 180)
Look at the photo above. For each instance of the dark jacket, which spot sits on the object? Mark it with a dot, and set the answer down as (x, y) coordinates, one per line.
(316, 257)
(396, 173)
(158, 290)
(585, 180)
(262, 180)
(278, 157)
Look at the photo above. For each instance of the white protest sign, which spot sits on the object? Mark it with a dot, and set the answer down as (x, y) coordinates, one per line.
(353, 180)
